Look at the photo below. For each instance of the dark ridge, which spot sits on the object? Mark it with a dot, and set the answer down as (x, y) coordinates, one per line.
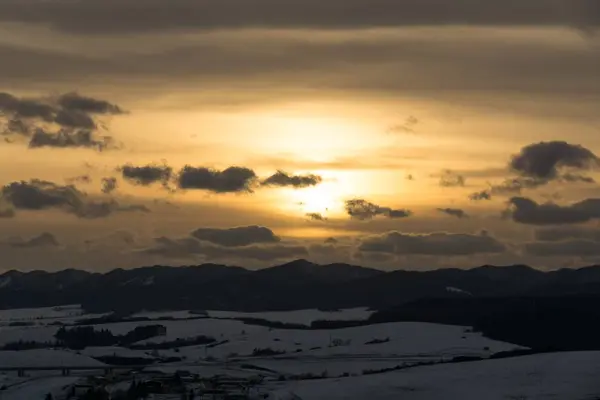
(298, 284)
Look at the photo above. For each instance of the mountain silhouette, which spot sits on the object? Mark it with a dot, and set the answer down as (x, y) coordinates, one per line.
(295, 285)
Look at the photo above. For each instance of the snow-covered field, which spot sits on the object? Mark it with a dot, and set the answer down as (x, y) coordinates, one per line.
(349, 352)
(568, 376)
(45, 357)
(28, 314)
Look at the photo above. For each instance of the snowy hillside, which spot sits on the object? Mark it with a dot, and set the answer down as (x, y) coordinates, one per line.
(569, 376)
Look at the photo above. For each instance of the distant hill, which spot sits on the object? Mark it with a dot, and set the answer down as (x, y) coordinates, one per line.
(295, 285)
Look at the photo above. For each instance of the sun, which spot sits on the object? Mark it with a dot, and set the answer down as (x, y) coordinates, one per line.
(322, 199)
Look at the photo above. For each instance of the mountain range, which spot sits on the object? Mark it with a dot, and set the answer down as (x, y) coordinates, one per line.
(299, 284)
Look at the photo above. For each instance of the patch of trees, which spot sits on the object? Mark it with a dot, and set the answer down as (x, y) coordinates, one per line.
(260, 352)
(85, 336)
(115, 318)
(28, 345)
(565, 323)
(378, 341)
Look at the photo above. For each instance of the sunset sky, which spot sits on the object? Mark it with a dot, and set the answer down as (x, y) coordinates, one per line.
(413, 134)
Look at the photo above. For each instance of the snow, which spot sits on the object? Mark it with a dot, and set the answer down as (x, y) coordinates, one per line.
(27, 333)
(37, 389)
(45, 358)
(457, 290)
(406, 340)
(27, 314)
(304, 317)
(544, 376)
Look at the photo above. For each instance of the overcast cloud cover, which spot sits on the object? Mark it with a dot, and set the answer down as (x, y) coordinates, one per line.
(411, 134)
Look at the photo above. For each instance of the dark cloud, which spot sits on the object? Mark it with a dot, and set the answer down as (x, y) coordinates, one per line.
(113, 17)
(454, 212)
(43, 240)
(85, 179)
(37, 119)
(237, 236)
(451, 179)
(434, 244)
(482, 195)
(364, 210)
(570, 177)
(147, 174)
(526, 211)
(232, 179)
(74, 119)
(190, 247)
(69, 139)
(16, 127)
(35, 195)
(546, 160)
(331, 240)
(109, 185)
(314, 216)
(541, 163)
(449, 59)
(25, 108)
(567, 248)
(283, 179)
(564, 233)
(87, 105)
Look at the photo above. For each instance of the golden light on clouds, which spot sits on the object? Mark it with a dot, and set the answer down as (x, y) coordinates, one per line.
(350, 106)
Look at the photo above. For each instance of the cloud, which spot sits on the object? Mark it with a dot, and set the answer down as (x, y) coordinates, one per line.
(408, 126)
(331, 240)
(283, 179)
(237, 236)
(36, 195)
(85, 179)
(109, 185)
(112, 17)
(316, 216)
(481, 195)
(348, 61)
(74, 119)
(567, 248)
(43, 240)
(433, 244)
(231, 180)
(87, 105)
(454, 212)
(64, 138)
(191, 247)
(545, 160)
(526, 211)
(147, 174)
(451, 179)
(38, 119)
(563, 233)
(18, 108)
(364, 210)
(540, 163)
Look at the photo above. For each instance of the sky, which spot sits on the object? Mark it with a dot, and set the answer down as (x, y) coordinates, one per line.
(395, 134)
